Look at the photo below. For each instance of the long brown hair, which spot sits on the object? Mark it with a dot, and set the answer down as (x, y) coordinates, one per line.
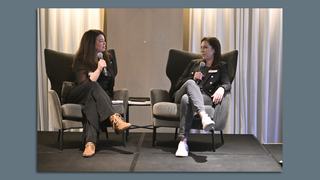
(215, 44)
(86, 52)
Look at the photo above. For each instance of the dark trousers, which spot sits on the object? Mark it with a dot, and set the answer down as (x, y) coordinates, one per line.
(97, 108)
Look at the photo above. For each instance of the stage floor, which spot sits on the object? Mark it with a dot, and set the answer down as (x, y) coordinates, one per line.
(239, 153)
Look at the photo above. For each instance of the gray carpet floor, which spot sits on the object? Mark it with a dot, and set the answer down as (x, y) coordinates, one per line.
(239, 153)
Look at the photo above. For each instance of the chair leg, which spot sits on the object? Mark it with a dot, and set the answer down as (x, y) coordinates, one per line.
(154, 136)
(107, 133)
(213, 142)
(127, 120)
(59, 134)
(222, 139)
(127, 133)
(176, 134)
(61, 140)
(124, 138)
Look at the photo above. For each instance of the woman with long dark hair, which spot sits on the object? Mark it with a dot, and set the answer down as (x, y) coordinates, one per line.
(196, 89)
(94, 89)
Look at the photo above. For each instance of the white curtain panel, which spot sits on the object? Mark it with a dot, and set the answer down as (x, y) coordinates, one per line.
(256, 106)
(60, 30)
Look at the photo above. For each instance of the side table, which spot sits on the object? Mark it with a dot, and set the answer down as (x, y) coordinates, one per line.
(138, 101)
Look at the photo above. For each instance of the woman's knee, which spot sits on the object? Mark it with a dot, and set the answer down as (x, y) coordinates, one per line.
(190, 82)
(95, 86)
(90, 85)
(184, 99)
(191, 86)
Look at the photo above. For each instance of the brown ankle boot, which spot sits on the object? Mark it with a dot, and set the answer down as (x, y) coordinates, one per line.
(90, 149)
(118, 124)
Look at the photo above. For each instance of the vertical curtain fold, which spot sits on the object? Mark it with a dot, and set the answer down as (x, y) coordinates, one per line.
(256, 106)
(41, 77)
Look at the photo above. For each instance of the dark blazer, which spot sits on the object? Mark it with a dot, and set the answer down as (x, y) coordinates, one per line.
(218, 77)
(106, 82)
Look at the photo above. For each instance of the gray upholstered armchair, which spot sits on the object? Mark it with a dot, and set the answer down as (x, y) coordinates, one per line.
(165, 113)
(69, 116)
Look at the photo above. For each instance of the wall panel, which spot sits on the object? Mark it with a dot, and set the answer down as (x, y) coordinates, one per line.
(142, 39)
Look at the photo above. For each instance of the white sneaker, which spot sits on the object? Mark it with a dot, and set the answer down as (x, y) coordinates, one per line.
(183, 149)
(207, 123)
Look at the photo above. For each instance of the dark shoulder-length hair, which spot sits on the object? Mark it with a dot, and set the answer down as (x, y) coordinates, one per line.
(86, 53)
(215, 44)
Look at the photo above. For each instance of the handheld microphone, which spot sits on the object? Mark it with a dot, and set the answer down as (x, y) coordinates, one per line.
(100, 56)
(201, 66)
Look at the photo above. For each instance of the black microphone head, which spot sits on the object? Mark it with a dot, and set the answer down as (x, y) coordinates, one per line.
(100, 55)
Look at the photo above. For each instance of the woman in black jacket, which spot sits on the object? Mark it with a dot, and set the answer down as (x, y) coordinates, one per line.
(94, 89)
(198, 88)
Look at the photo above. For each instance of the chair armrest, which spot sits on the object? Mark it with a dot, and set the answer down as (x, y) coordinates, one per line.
(55, 108)
(159, 95)
(122, 94)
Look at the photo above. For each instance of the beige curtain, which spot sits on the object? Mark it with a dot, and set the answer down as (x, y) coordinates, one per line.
(60, 30)
(257, 88)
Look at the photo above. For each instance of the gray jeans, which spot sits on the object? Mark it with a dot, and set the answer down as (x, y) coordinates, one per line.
(192, 102)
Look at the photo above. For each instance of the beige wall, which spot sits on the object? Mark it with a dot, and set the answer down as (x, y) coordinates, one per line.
(142, 39)
(186, 18)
